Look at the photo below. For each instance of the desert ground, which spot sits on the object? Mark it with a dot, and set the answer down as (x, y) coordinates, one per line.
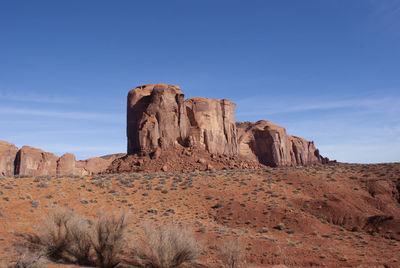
(344, 215)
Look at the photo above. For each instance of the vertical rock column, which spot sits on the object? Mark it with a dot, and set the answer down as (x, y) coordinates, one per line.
(8, 152)
(213, 125)
(155, 118)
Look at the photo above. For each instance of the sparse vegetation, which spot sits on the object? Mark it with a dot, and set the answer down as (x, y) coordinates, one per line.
(268, 209)
(232, 253)
(108, 239)
(74, 239)
(168, 246)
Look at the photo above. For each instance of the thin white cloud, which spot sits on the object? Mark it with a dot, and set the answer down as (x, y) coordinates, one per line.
(61, 114)
(268, 106)
(32, 97)
(30, 134)
(365, 152)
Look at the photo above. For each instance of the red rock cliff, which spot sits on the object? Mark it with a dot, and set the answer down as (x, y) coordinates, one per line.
(158, 117)
(272, 146)
(8, 152)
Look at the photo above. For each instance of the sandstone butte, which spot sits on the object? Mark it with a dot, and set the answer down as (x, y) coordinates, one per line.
(159, 119)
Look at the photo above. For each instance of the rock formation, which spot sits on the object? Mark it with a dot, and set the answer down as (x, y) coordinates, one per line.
(163, 127)
(272, 146)
(158, 117)
(66, 164)
(33, 162)
(30, 162)
(8, 152)
(212, 125)
(155, 118)
(93, 165)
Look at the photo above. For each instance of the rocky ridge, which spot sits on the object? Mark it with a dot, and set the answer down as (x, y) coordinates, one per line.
(159, 119)
(272, 146)
(167, 132)
(30, 161)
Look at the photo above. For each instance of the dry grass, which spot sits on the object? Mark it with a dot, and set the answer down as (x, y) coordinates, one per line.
(74, 239)
(54, 237)
(108, 239)
(167, 246)
(232, 253)
(80, 242)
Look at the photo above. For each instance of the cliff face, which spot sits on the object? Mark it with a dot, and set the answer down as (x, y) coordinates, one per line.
(33, 162)
(155, 118)
(8, 152)
(272, 146)
(158, 117)
(30, 161)
(212, 125)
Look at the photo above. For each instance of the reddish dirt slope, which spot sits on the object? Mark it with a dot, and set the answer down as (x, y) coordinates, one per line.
(335, 216)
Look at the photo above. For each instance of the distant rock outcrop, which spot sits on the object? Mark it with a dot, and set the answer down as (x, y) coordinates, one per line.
(66, 165)
(8, 152)
(93, 165)
(33, 162)
(272, 146)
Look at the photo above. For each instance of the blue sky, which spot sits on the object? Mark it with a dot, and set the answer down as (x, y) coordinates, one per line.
(328, 71)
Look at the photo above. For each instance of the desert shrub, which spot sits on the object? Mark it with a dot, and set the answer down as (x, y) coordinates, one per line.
(167, 246)
(108, 237)
(64, 236)
(232, 253)
(54, 239)
(80, 245)
(74, 239)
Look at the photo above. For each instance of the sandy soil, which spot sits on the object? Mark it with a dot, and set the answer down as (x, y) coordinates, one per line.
(333, 216)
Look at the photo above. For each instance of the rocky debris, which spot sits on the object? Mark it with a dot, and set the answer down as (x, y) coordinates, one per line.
(272, 146)
(8, 152)
(181, 160)
(33, 162)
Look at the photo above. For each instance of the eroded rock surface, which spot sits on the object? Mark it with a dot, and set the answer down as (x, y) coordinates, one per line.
(66, 165)
(272, 146)
(33, 162)
(158, 117)
(93, 166)
(169, 131)
(155, 118)
(8, 152)
(212, 125)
